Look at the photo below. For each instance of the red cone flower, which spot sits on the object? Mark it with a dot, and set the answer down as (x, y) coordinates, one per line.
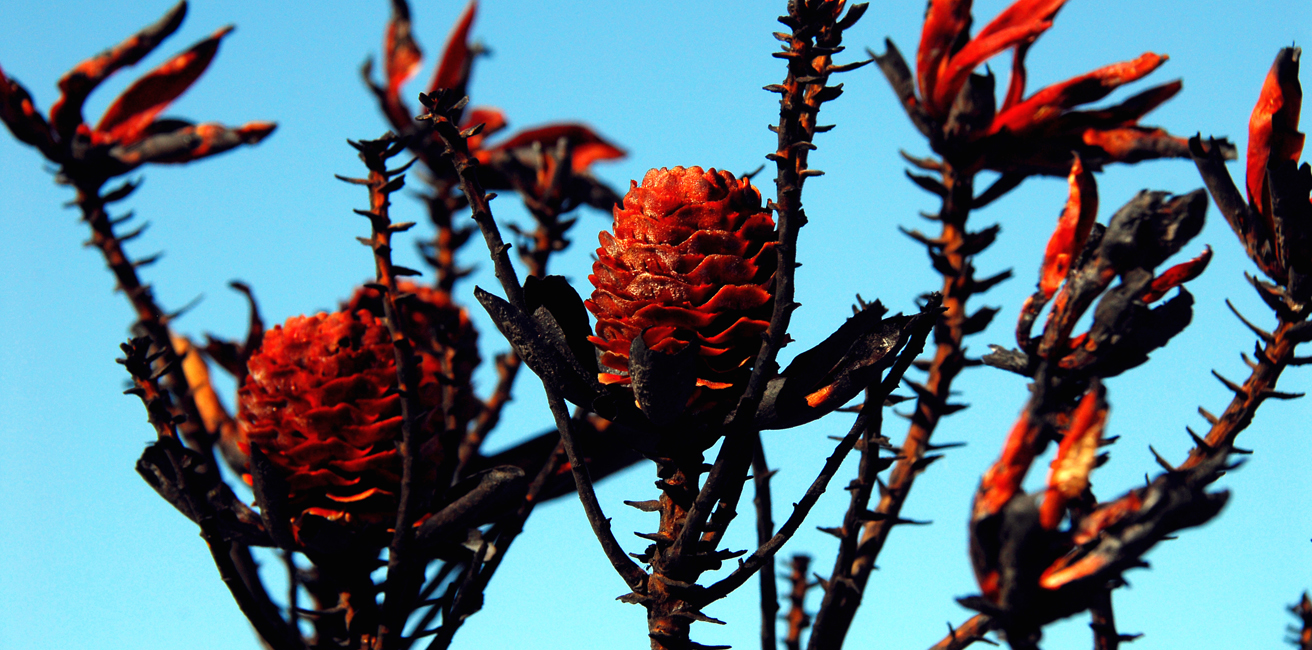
(320, 402)
(690, 263)
(441, 330)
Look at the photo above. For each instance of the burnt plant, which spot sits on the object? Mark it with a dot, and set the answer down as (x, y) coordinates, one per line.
(361, 437)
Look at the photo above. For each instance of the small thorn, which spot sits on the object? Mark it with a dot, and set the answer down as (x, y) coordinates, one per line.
(1235, 388)
(1211, 419)
(1161, 461)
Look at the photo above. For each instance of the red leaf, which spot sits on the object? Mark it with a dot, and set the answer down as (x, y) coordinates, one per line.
(400, 49)
(1067, 241)
(1020, 13)
(1002, 481)
(138, 106)
(1177, 275)
(1075, 458)
(453, 70)
(1051, 102)
(945, 20)
(190, 142)
(953, 75)
(588, 147)
(77, 83)
(21, 116)
(1135, 143)
(1273, 128)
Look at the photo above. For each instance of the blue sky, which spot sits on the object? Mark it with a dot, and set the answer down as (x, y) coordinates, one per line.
(89, 554)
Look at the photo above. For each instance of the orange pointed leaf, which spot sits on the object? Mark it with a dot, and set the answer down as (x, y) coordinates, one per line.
(1177, 275)
(1002, 481)
(402, 53)
(1052, 101)
(138, 106)
(77, 83)
(954, 74)
(1273, 128)
(453, 70)
(1069, 475)
(1067, 241)
(945, 20)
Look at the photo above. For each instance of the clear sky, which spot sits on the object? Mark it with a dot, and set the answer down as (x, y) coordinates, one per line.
(89, 555)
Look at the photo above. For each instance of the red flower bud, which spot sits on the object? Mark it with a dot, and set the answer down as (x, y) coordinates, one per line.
(321, 403)
(690, 263)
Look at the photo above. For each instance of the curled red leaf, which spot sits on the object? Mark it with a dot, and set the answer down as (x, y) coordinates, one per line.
(1177, 275)
(1273, 128)
(1051, 102)
(1072, 230)
(1076, 455)
(587, 146)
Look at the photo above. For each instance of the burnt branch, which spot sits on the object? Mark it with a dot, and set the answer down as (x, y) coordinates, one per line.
(440, 107)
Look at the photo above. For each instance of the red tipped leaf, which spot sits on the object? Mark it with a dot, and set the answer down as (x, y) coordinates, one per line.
(1273, 128)
(1072, 230)
(1076, 455)
(1178, 275)
(78, 83)
(1052, 101)
(402, 53)
(945, 20)
(144, 100)
(453, 70)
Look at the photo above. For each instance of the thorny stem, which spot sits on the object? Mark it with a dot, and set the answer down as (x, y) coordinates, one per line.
(847, 584)
(151, 318)
(1105, 636)
(233, 559)
(1273, 356)
(967, 633)
(817, 32)
(465, 164)
(228, 556)
(1303, 610)
(798, 619)
(403, 581)
(761, 475)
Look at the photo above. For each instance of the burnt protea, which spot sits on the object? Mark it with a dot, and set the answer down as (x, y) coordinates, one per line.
(690, 265)
(320, 402)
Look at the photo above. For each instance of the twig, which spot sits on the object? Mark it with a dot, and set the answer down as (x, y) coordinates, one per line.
(761, 475)
(465, 164)
(403, 581)
(798, 619)
(967, 633)
(847, 584)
